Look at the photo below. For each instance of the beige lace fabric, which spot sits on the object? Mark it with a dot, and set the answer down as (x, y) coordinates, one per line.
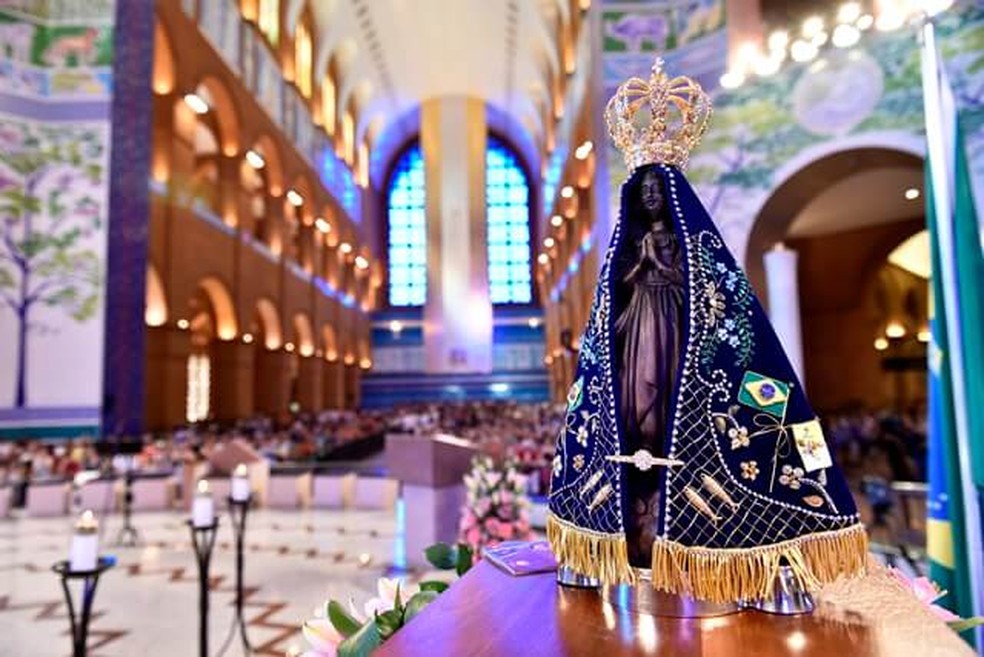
(897, 622)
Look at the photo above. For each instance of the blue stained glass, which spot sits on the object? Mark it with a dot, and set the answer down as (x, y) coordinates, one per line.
(407, 231)
(508, 215)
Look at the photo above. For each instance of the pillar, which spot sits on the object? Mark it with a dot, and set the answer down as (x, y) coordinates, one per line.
(271, 382)
(309, 381)
(784, 307)
(128, 238)
(232, 380)
(458, 311)
(332, 386)
(166, 376)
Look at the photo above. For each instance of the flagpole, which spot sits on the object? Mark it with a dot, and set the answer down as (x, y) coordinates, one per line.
(942, 175)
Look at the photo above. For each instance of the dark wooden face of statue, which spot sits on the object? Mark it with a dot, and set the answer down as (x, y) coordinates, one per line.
(651, 194)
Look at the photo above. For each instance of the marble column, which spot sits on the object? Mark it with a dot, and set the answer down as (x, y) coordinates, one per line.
(784, 307)
(458, 311)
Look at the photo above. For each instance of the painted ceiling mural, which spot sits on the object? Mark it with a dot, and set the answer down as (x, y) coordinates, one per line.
(766, 129)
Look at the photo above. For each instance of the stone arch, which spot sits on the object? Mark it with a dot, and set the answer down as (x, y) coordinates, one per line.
(268, 321)
(804, 178)
(223, 108)
(330, 339)
(273, 163)
(165, 68)
(223, 308)
(303, 334)
(155, 305)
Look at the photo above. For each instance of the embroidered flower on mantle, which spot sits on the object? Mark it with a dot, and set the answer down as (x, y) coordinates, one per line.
(739, 437)
(582, 435)
(558, 465)
(727, 301)
(749, 470)
(715, 303)
(579, 462)
(791, 477)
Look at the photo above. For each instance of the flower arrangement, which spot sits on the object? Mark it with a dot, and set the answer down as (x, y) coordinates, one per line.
(496, 509)
(929, 593)
(339, 632)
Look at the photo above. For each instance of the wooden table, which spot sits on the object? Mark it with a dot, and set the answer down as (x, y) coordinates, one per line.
(488, 613)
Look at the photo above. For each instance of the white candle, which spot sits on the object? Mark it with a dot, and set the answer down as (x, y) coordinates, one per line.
(84, 554)
(202, 506)
(240, 484)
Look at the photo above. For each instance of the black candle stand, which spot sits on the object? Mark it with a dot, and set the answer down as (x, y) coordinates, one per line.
(203, 539)
(239, 510)
(80, 621)
(128, 536)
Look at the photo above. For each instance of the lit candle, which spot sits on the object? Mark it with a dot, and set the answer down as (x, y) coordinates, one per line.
(84, 554)
(240, 483)
(202, 507)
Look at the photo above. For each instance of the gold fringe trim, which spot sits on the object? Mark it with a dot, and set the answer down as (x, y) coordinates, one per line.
(730, 575)
(604, 557)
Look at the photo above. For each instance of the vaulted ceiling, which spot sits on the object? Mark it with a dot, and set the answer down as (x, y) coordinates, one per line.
(389, 55)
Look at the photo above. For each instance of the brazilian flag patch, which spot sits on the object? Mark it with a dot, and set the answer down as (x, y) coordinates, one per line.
(763, 393)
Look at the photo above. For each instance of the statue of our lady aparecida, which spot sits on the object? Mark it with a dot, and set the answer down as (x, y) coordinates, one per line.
(690, 457)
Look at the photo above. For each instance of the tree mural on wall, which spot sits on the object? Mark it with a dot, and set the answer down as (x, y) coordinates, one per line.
(49, 214)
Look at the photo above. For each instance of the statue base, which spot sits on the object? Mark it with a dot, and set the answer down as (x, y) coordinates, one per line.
(788, 597)
(569, 577)
(642, 598)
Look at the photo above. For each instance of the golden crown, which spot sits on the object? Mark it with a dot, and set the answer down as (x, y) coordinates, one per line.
(670, 135)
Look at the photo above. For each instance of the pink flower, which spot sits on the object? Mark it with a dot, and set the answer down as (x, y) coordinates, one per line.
(492, 526)
(322, 636)
(506, 531)
(926, 592)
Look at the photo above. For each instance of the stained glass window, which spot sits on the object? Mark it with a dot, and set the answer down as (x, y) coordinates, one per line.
(507, 196)
(407, 230)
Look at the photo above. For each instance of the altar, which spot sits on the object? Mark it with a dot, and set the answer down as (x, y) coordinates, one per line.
(489, 613)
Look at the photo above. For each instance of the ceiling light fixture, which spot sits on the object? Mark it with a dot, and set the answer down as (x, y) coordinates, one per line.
(912, 194)
(732, 79)
(812, 26)
(846, 36)
(255, 159)
(802, 51)
(549, 242)
(567, 191)
(556, 221)
(196, 103)
(322, 224)
(294, 198)
(848, 12)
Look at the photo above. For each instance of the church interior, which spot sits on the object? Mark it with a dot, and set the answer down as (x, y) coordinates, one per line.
(500, 327)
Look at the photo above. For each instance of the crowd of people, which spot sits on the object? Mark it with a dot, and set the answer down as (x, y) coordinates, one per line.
(890, 446)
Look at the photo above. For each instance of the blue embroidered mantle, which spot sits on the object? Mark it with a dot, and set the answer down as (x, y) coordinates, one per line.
(755, 487)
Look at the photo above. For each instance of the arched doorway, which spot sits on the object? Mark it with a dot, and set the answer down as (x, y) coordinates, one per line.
(269, 381)
(305, 366)
(210, 390)
(838, 218)
(332, 383)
